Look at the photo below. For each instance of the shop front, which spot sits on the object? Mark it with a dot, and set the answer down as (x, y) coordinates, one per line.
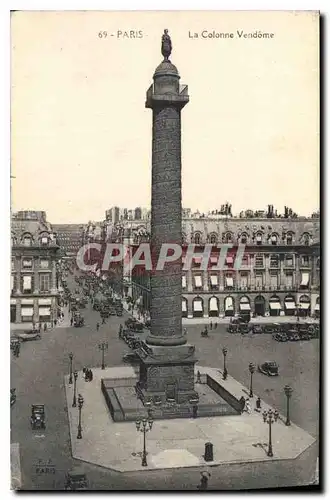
(198, 307)
(213, 307)
(289, 306)
(229, 306)
(27, 310)
(275, 307)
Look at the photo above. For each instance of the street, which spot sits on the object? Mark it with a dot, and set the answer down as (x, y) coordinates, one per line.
(38, 377)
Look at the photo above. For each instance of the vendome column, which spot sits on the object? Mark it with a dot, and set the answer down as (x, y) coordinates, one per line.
(167, 367)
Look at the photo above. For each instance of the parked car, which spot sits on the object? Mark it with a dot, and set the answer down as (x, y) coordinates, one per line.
(269, 368)
(29, 335)
(131, 357)
(257, 329)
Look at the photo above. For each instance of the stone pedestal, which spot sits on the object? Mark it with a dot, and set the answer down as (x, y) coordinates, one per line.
(166, 374)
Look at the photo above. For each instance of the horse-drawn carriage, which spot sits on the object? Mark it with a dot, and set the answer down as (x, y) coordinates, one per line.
(38, 417)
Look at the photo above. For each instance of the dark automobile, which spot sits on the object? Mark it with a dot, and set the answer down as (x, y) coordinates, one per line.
(131, 357)
(257, 329)
(29, 335)
(76, 480)
(280, 337)
(269, 368)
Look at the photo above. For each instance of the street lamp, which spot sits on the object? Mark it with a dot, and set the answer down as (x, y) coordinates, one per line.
(144, 426)
(75, 376)
(288, 392)
(103, 346)
(270, 417)
(71, 358)
(252, 369)
(225, 372)
(80, 405)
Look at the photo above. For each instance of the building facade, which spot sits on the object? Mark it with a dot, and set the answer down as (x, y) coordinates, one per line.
(279, 273)
(69, 237)
(34, 255)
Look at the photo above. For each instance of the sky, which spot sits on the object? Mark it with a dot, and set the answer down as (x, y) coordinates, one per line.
(81, 135)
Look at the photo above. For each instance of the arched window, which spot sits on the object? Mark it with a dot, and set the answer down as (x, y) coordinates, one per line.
(259, 238)
(274, 239)
(306, 238)
(213, 239)
(244, 238)
(197, 238)
(289, 238)
(27, 240)
(228, 237)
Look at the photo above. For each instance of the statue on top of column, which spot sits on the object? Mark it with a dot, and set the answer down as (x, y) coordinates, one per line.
(166, 45)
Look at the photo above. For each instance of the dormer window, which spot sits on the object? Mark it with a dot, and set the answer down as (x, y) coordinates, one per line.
(213, 239)
(259, 238)
(306, 239)
(244, 238)
(197, 239)
(44, 240)
(228, 238)
(273, 239)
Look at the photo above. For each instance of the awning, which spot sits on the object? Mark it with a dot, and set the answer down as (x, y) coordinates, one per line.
(275, 305)
(317, 307)
(229, 306)
(214, 280)
(12, 302)
(304, 279)
(229, 260)
(229, 281)
(45, 302)
(197, 305)
(198, 260)
(245, 307)
(184, 282)
(11, 282)
(213, 304)
(44, 311)
(27, 311)
(198, 281)
(289, 305)
(27, 280)
(304, 305)
(184, 306)
(214, 260)
(27, 302)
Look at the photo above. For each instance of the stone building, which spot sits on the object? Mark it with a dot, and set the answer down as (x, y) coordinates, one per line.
(34, 254)
(280, 269)
(69, 237)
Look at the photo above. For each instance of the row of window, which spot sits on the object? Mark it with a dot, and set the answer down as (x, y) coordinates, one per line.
(244, 281)
(259, 238)
(27, 263)
(27, 284)
(259, 260)
(27, 240)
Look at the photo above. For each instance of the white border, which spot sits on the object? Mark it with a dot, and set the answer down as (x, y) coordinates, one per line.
(5, 7)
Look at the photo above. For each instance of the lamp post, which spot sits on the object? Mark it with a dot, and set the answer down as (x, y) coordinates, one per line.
(80, 405)
(225, 372)
(103, 346)
(75, 376)
(252, 369)
(70, 376)
(270, 417)
(144, 426)
(288, 392)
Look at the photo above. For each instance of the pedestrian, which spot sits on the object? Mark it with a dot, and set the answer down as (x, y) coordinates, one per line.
(258, 405)
(103, 320)
(211, 325)
(71, 321)
(247, 406)
(97, 326)
(215, 325)
(52, 324)
(55, 322)
(45, 327)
